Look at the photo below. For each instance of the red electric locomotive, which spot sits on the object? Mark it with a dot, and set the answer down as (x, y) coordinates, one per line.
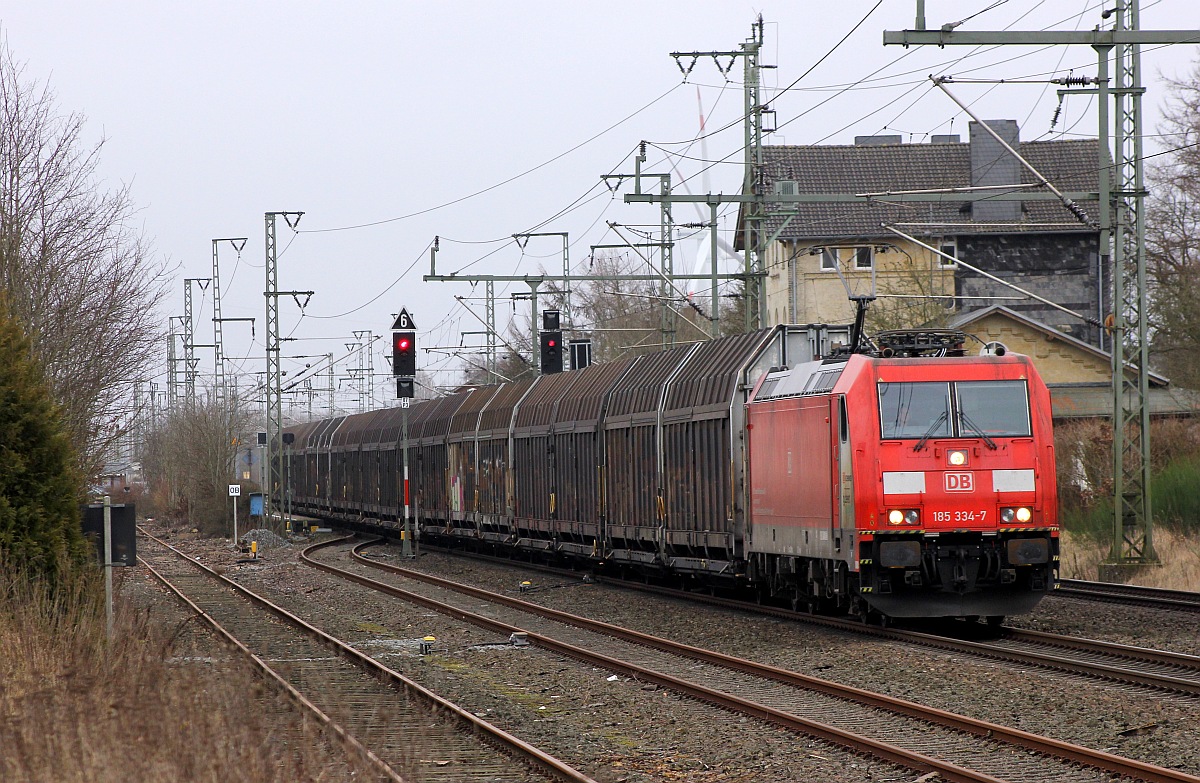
(913, 485)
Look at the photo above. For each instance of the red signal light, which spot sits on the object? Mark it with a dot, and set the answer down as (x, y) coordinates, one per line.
(551, 352)
(404, 354)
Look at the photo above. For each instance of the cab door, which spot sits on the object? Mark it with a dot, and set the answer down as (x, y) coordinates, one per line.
(843, 479)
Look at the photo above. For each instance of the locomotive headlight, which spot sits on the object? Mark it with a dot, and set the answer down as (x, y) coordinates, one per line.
(957, 457)
(903, 516)
(1022, 514)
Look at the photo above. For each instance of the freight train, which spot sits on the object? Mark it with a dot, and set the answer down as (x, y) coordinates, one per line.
(908, 480)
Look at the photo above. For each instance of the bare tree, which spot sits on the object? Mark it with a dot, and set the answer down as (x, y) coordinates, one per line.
(192, 457)
(621, 317)
(1173, 237)
(80, 277)
(912, 295)
(634, 317)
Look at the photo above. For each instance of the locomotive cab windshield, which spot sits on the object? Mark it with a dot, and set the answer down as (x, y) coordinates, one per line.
(955, 409)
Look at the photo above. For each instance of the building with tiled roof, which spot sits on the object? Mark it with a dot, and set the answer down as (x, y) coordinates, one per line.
(824, 250)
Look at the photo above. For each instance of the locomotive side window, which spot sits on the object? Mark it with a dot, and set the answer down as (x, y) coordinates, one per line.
(914, 410)
(993, 408)
(843, 420)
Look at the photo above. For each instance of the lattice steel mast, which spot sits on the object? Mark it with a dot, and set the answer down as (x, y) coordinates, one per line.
(1122, 240)
(274, 406)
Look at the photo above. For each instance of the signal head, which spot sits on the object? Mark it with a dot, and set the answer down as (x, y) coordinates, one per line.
(404, 353)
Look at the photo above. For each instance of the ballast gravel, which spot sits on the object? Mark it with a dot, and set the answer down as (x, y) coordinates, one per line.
(622, 731)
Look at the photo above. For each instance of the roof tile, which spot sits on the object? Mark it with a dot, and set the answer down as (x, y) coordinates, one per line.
(1069, 165)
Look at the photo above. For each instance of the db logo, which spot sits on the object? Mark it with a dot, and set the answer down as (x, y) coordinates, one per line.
(960, 482)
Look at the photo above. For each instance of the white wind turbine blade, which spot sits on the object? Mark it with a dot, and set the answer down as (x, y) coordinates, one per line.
(704, 261)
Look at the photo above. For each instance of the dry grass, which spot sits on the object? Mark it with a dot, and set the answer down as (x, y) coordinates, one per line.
(1179, 554)
(149, 706)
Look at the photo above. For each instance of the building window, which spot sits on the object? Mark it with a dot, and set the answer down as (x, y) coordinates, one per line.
(785, 187)
(863, 258)
(829, 258)
(950, 248)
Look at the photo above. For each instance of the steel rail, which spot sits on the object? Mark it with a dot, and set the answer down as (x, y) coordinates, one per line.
(327, 722)
(985, 649)
(1063, 750)
(880, 750)
(537, 758)
(1182, 600)
(1146, 654)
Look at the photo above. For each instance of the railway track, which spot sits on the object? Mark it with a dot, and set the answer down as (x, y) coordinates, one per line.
(404, 730)
(902, 732)
(1115, 663)
(1136, 595)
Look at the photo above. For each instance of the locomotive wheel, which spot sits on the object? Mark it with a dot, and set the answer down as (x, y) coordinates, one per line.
(804, 602)
(873, 617)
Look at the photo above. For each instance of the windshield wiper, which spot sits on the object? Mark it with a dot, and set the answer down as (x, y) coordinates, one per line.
(965, 419)
(929, 432)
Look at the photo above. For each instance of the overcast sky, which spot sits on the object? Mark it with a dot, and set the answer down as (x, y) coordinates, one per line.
(388, 123)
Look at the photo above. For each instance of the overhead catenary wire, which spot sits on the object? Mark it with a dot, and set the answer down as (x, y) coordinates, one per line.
(474, 262)
(1071, 206)
(854, 85)
(502, 183)
(796, 82)
(409, 268)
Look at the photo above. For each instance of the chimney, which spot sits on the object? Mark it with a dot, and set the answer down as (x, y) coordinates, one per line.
(876, 141)
(945, 138)
(991, 164)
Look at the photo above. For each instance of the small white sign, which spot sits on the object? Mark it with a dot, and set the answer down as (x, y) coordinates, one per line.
(235, 490)
(404, 402)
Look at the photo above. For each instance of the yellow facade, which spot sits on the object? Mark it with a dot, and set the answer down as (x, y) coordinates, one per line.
(1079, 375)
(811, 282)
(1058, 360)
